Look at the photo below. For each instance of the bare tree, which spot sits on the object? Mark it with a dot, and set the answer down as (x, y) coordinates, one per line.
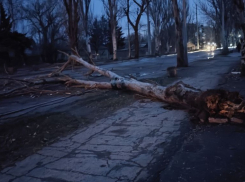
(212, 9)
(161, 13)
(14, 10)
(111, 7)
(84, 7)
(157, 12)
(181, 62)
(45, 25)
(239, 4)
(141, 7)
(73, 19)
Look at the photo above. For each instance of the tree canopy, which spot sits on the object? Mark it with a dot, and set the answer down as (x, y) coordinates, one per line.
(101, 35)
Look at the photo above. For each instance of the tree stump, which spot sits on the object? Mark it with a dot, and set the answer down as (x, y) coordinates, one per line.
(172, 71)
(243, 67)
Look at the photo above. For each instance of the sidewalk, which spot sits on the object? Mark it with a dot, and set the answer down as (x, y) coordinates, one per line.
(135, 143)
(212, 153)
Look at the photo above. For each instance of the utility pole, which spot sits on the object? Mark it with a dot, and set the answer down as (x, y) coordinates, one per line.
(197, 30)
(149, 30)
(185, 33)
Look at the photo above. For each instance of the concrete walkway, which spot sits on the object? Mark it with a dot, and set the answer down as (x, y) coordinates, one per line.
(124, 147)
(118, 148)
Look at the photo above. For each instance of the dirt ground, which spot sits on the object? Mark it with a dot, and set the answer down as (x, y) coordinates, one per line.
(233, 82)
(24, 135)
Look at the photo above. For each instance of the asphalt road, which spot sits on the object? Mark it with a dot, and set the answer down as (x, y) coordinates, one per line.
(140, 68)
(148, 67)
(143, 68)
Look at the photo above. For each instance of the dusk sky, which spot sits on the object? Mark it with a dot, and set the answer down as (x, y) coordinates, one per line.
(98, 10)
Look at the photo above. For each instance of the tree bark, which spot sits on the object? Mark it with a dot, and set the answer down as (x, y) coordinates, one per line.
(112, 9)
(181, 62)
(167, 45)
(243, 67)
(136, 42)
(129, 46)
(73, 19)
(157, 44)
(157, 38)
(185, 34)
(84, 4)
(114, 42)
(224, 37)
(149, 32)
(240, 11)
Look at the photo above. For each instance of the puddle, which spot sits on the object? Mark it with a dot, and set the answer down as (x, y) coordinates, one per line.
(210, 55)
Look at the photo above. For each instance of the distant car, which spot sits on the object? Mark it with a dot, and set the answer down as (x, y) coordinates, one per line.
(211, 46)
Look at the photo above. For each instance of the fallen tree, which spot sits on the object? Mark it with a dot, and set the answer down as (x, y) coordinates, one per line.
(10, 87)
(214, 106)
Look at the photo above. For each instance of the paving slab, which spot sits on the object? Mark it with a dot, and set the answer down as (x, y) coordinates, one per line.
(112, 152)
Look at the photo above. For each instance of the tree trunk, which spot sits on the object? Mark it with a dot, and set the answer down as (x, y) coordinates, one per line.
(181, 62)
(206, 106)
(45, 45)
(180, 51)
(84, 5)
(112, 5)
(88, 45)
(197, 30)
(217, 37)
(114, 42)
(129, 46)
(157, 39)
(243, 58)
(243, 28)
(149, 31)
(73, 19)
(136, 43)
(157, 45)
(224, 39)
(141, 7)
(243, 67)
(168, 41)
(240, 10)
(167, 46)
(185, 34)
